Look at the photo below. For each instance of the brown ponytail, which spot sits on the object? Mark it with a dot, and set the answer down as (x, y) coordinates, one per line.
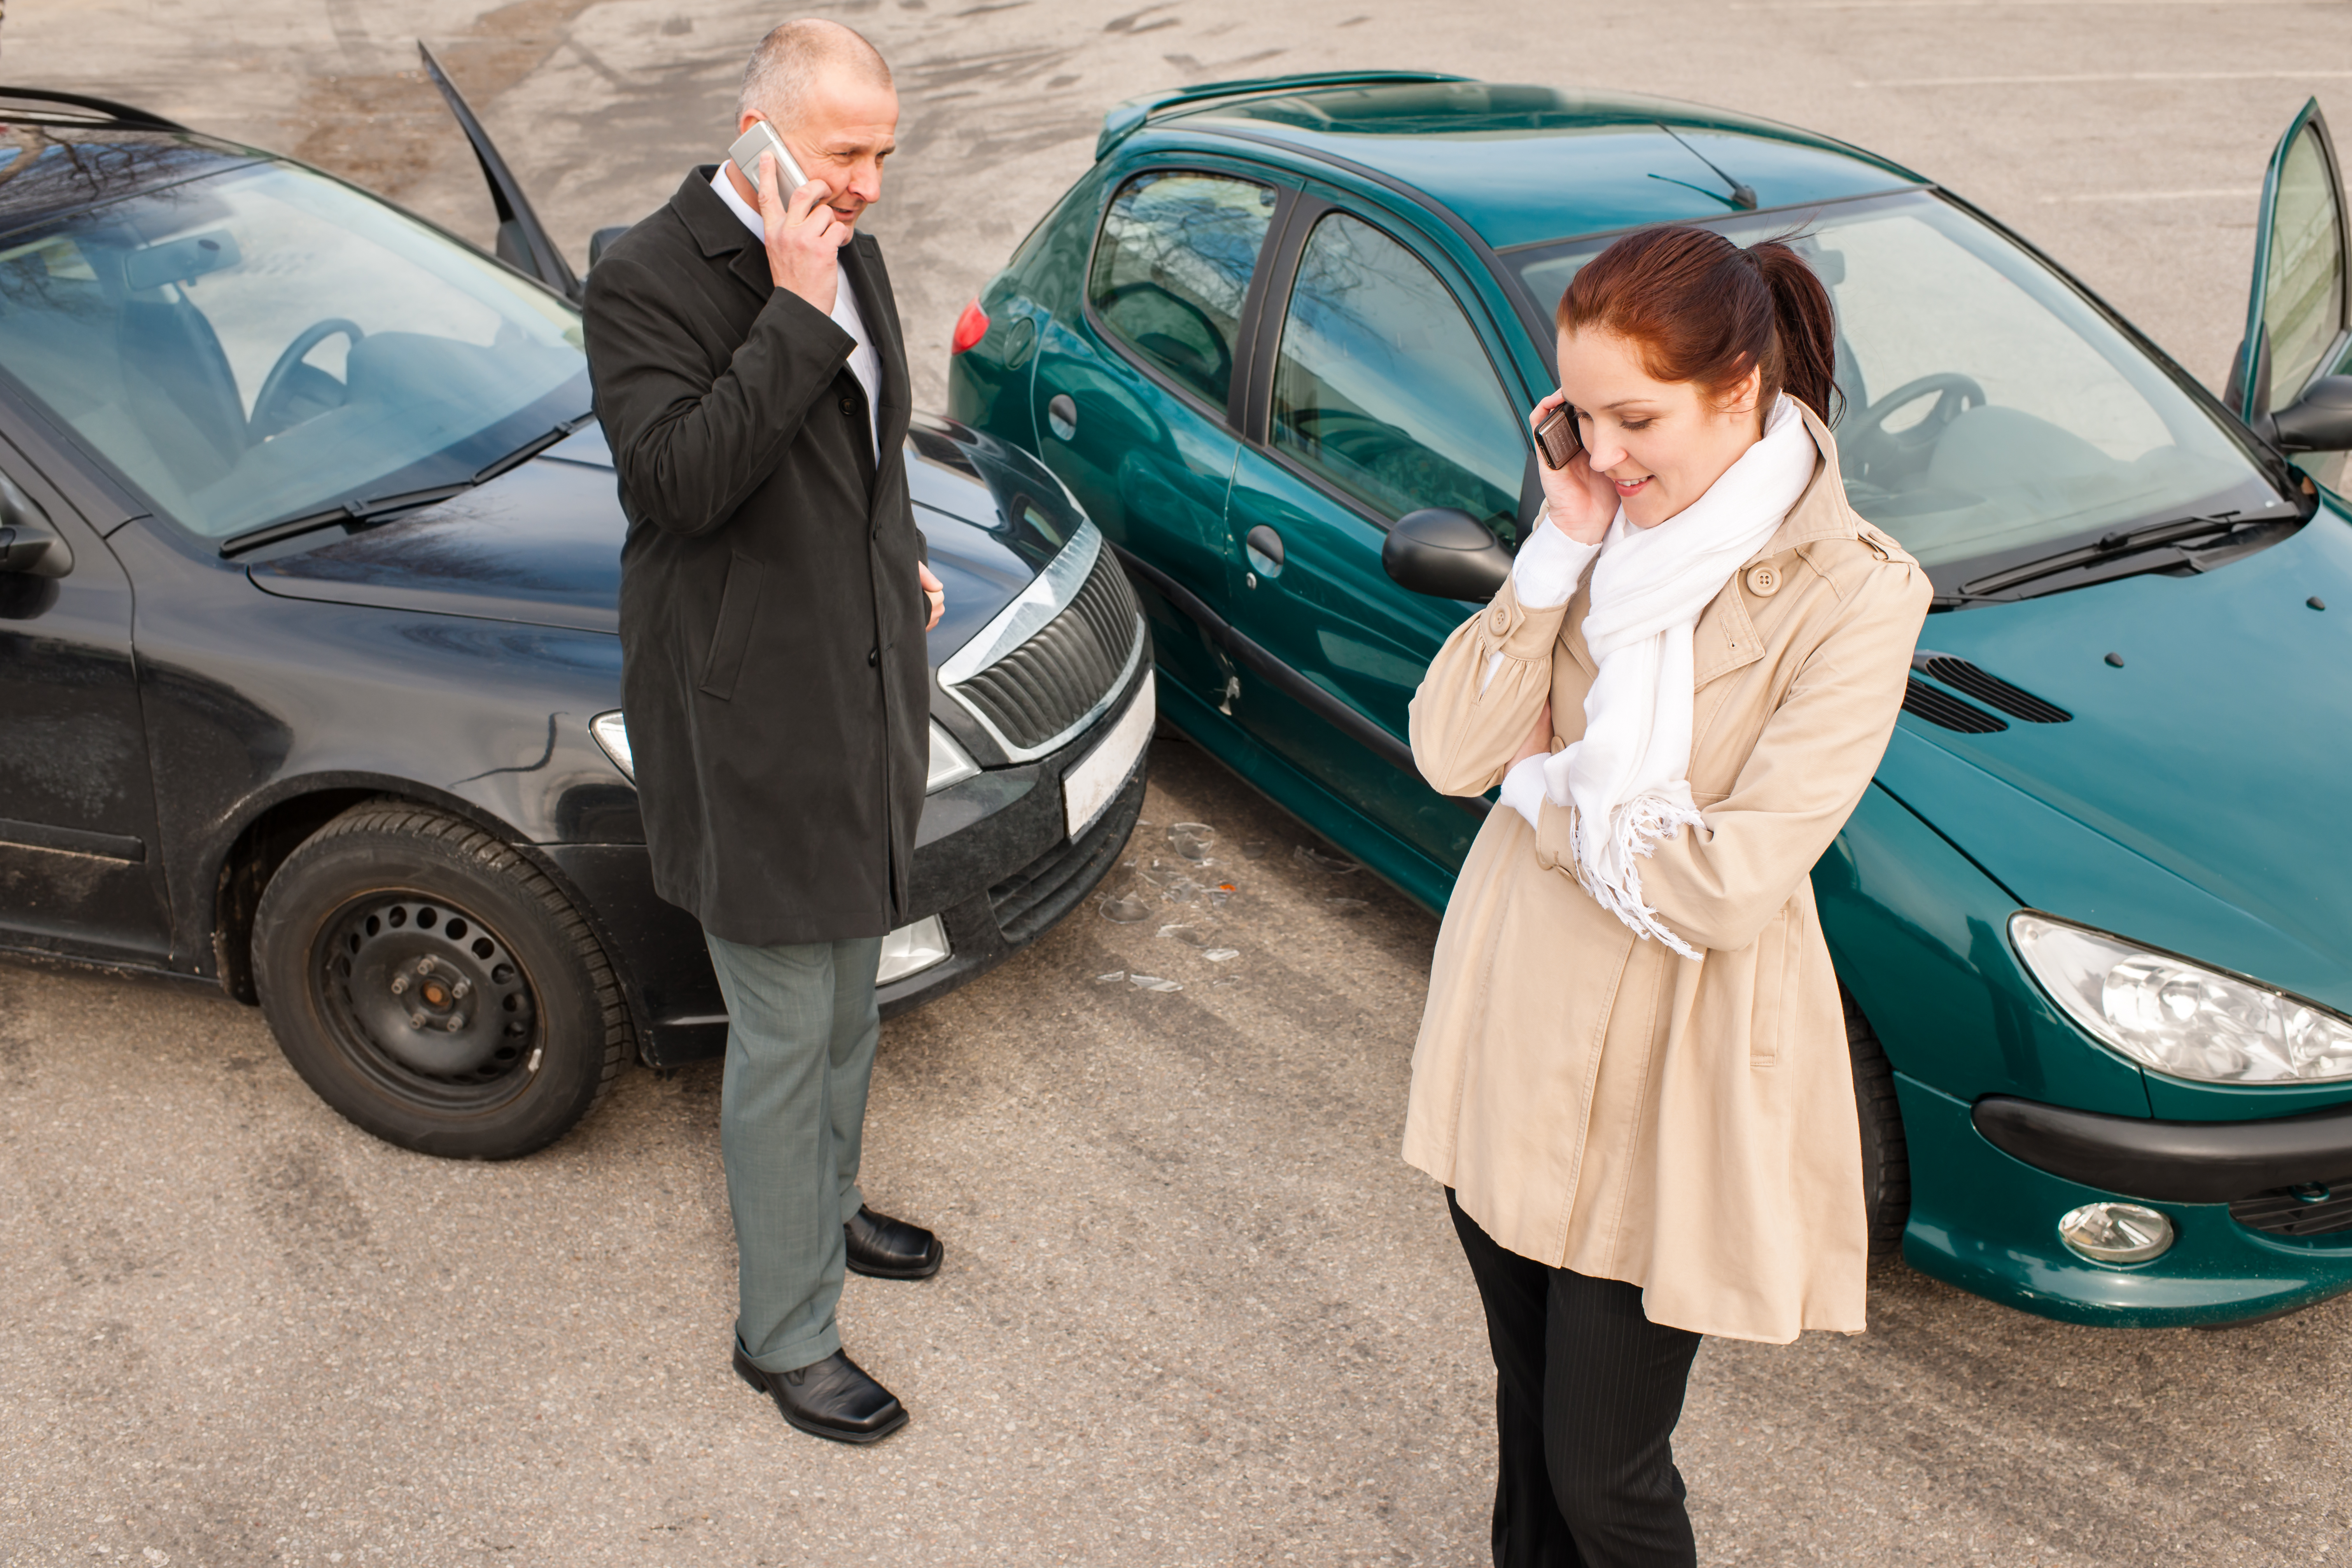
(1705, 310)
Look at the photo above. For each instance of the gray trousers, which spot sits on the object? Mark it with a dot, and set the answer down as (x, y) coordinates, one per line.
(800, 1027)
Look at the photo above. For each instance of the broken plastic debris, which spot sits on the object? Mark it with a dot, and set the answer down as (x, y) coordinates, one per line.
(1181, 890)
(1219, 955)
(1114, 974)
(1191, 935)
(1124, 908)
(1152, 983)
(1192, 839)
(1253, 848)
(1322, 862)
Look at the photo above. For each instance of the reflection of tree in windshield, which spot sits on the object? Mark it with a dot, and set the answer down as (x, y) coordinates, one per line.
(1382, 387)
(1173, 267)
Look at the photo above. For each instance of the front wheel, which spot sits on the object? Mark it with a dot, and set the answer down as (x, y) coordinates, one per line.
(434, 987)
(1885, 1155)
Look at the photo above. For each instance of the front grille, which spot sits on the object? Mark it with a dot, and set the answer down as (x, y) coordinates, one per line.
(1050, 682)
(2318, 1209)
(1922, 701)
(1049, 887)
(1989, 689)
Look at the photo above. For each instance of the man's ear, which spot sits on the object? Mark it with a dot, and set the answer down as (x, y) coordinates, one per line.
(748, 119)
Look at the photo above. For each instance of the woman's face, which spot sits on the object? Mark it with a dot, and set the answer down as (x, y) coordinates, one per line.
(1660, 443)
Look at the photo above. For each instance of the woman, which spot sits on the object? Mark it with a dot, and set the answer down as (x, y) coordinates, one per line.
(1631, 1077)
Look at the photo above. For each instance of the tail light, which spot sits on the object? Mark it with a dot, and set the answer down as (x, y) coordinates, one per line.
(970, 326)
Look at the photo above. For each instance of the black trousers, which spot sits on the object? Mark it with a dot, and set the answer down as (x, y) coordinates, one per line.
(1587, 1390)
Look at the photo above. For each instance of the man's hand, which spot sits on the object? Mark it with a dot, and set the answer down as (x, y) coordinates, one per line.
(1582, 503)
(804, 237)
(1539, 741)
(934, 594)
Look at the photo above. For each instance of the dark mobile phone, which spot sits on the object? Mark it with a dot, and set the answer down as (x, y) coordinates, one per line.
(1557, 437)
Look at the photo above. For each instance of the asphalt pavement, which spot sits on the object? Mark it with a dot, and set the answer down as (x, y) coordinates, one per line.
(1194, 1310)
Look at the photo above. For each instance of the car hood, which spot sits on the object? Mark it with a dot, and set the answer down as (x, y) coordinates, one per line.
(540, 545)
(2193, 800)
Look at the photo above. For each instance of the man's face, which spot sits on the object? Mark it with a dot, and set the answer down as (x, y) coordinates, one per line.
(845, 129)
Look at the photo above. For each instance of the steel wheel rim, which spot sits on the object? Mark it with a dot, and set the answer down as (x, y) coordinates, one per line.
(430, 1004)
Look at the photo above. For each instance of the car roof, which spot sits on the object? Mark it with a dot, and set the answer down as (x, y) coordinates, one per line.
(85, 151)
(1526, 163)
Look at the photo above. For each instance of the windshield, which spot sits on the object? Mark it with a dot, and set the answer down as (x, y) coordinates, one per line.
(1991, 414)
(267, 343)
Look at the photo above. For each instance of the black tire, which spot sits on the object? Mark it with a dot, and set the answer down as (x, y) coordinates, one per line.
(1885, 1156)
(393, 913)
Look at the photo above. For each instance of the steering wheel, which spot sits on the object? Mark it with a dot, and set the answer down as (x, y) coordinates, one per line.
(268, 418)
(1882, 457)
(1219, 374)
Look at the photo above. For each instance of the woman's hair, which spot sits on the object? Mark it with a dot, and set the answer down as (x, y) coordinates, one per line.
(1705, 310)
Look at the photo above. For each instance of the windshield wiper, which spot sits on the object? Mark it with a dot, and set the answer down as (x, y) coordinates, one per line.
(381, 506)
(2114, 546)
(348, 512)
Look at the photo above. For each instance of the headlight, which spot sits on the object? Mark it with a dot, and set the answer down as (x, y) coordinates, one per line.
(948, 764)
(2180, 1017)
(612, 732)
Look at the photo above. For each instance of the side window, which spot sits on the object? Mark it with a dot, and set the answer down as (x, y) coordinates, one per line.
(1381, 387)
(1173, 267)
(2302, 301)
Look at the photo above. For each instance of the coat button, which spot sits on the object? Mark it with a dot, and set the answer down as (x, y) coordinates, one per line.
(873, 657)
(849, 405)
(1764, 581)
(1500, 619)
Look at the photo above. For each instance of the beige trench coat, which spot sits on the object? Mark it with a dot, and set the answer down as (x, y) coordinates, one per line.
(1596, 1102)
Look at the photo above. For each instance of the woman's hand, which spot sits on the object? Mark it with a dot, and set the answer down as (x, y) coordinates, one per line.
(1539, 741)
(1582, 503)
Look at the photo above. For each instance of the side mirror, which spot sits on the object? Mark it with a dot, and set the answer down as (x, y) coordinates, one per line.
(29, 546)
(600, 241)
(1447, 554)
(2320, 420)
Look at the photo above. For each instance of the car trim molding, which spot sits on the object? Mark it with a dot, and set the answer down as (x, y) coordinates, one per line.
(72, 841)
(2169, 1161)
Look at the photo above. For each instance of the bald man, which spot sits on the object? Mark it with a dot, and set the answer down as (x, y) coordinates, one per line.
(751, 376)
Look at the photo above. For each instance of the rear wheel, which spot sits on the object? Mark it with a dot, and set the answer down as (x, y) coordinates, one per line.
(1885, 1158)
(434, 987)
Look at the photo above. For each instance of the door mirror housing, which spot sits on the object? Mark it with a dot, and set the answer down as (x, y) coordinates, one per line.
(602, 241)
(1446, 553)
(2319, 421)
(30, 545)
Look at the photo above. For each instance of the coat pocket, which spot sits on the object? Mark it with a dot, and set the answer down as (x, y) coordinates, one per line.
(1768, 1012)
(731, 638)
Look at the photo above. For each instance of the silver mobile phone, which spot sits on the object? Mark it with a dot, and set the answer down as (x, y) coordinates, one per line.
(762, 138)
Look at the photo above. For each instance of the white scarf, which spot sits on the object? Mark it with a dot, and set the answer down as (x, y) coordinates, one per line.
(1628, 775)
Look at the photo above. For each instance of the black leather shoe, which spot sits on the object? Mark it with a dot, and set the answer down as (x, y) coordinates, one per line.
(832, 1399)
(887, 1248)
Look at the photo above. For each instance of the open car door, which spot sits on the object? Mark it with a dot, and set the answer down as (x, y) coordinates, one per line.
(523, 241)
(2298, 316)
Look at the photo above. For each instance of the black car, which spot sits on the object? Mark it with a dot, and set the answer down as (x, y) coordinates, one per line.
(309, 671)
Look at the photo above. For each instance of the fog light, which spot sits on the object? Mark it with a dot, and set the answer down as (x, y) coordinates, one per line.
(2116, 1233)
(912, 949)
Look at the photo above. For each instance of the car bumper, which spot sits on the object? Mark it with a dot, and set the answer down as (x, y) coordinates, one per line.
(994, 862)
(2246, 1246)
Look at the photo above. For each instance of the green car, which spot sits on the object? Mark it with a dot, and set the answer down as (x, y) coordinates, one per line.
(2094, 916)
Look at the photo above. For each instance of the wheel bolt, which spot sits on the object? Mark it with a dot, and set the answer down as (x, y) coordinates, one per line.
(427, 965)
(460, 988)
(457, 1022)
(399, 984)
(416, 1020)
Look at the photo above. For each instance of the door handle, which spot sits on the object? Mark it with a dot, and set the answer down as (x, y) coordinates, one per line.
(1061, 416)
(1264, 547)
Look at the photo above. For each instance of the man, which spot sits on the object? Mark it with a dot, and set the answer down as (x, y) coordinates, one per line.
(752, 379)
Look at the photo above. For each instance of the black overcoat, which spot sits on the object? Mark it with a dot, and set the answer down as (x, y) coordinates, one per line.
(772, 661)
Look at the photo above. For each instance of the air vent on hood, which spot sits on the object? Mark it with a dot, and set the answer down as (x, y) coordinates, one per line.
(1922, 701)
(1963, 676)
